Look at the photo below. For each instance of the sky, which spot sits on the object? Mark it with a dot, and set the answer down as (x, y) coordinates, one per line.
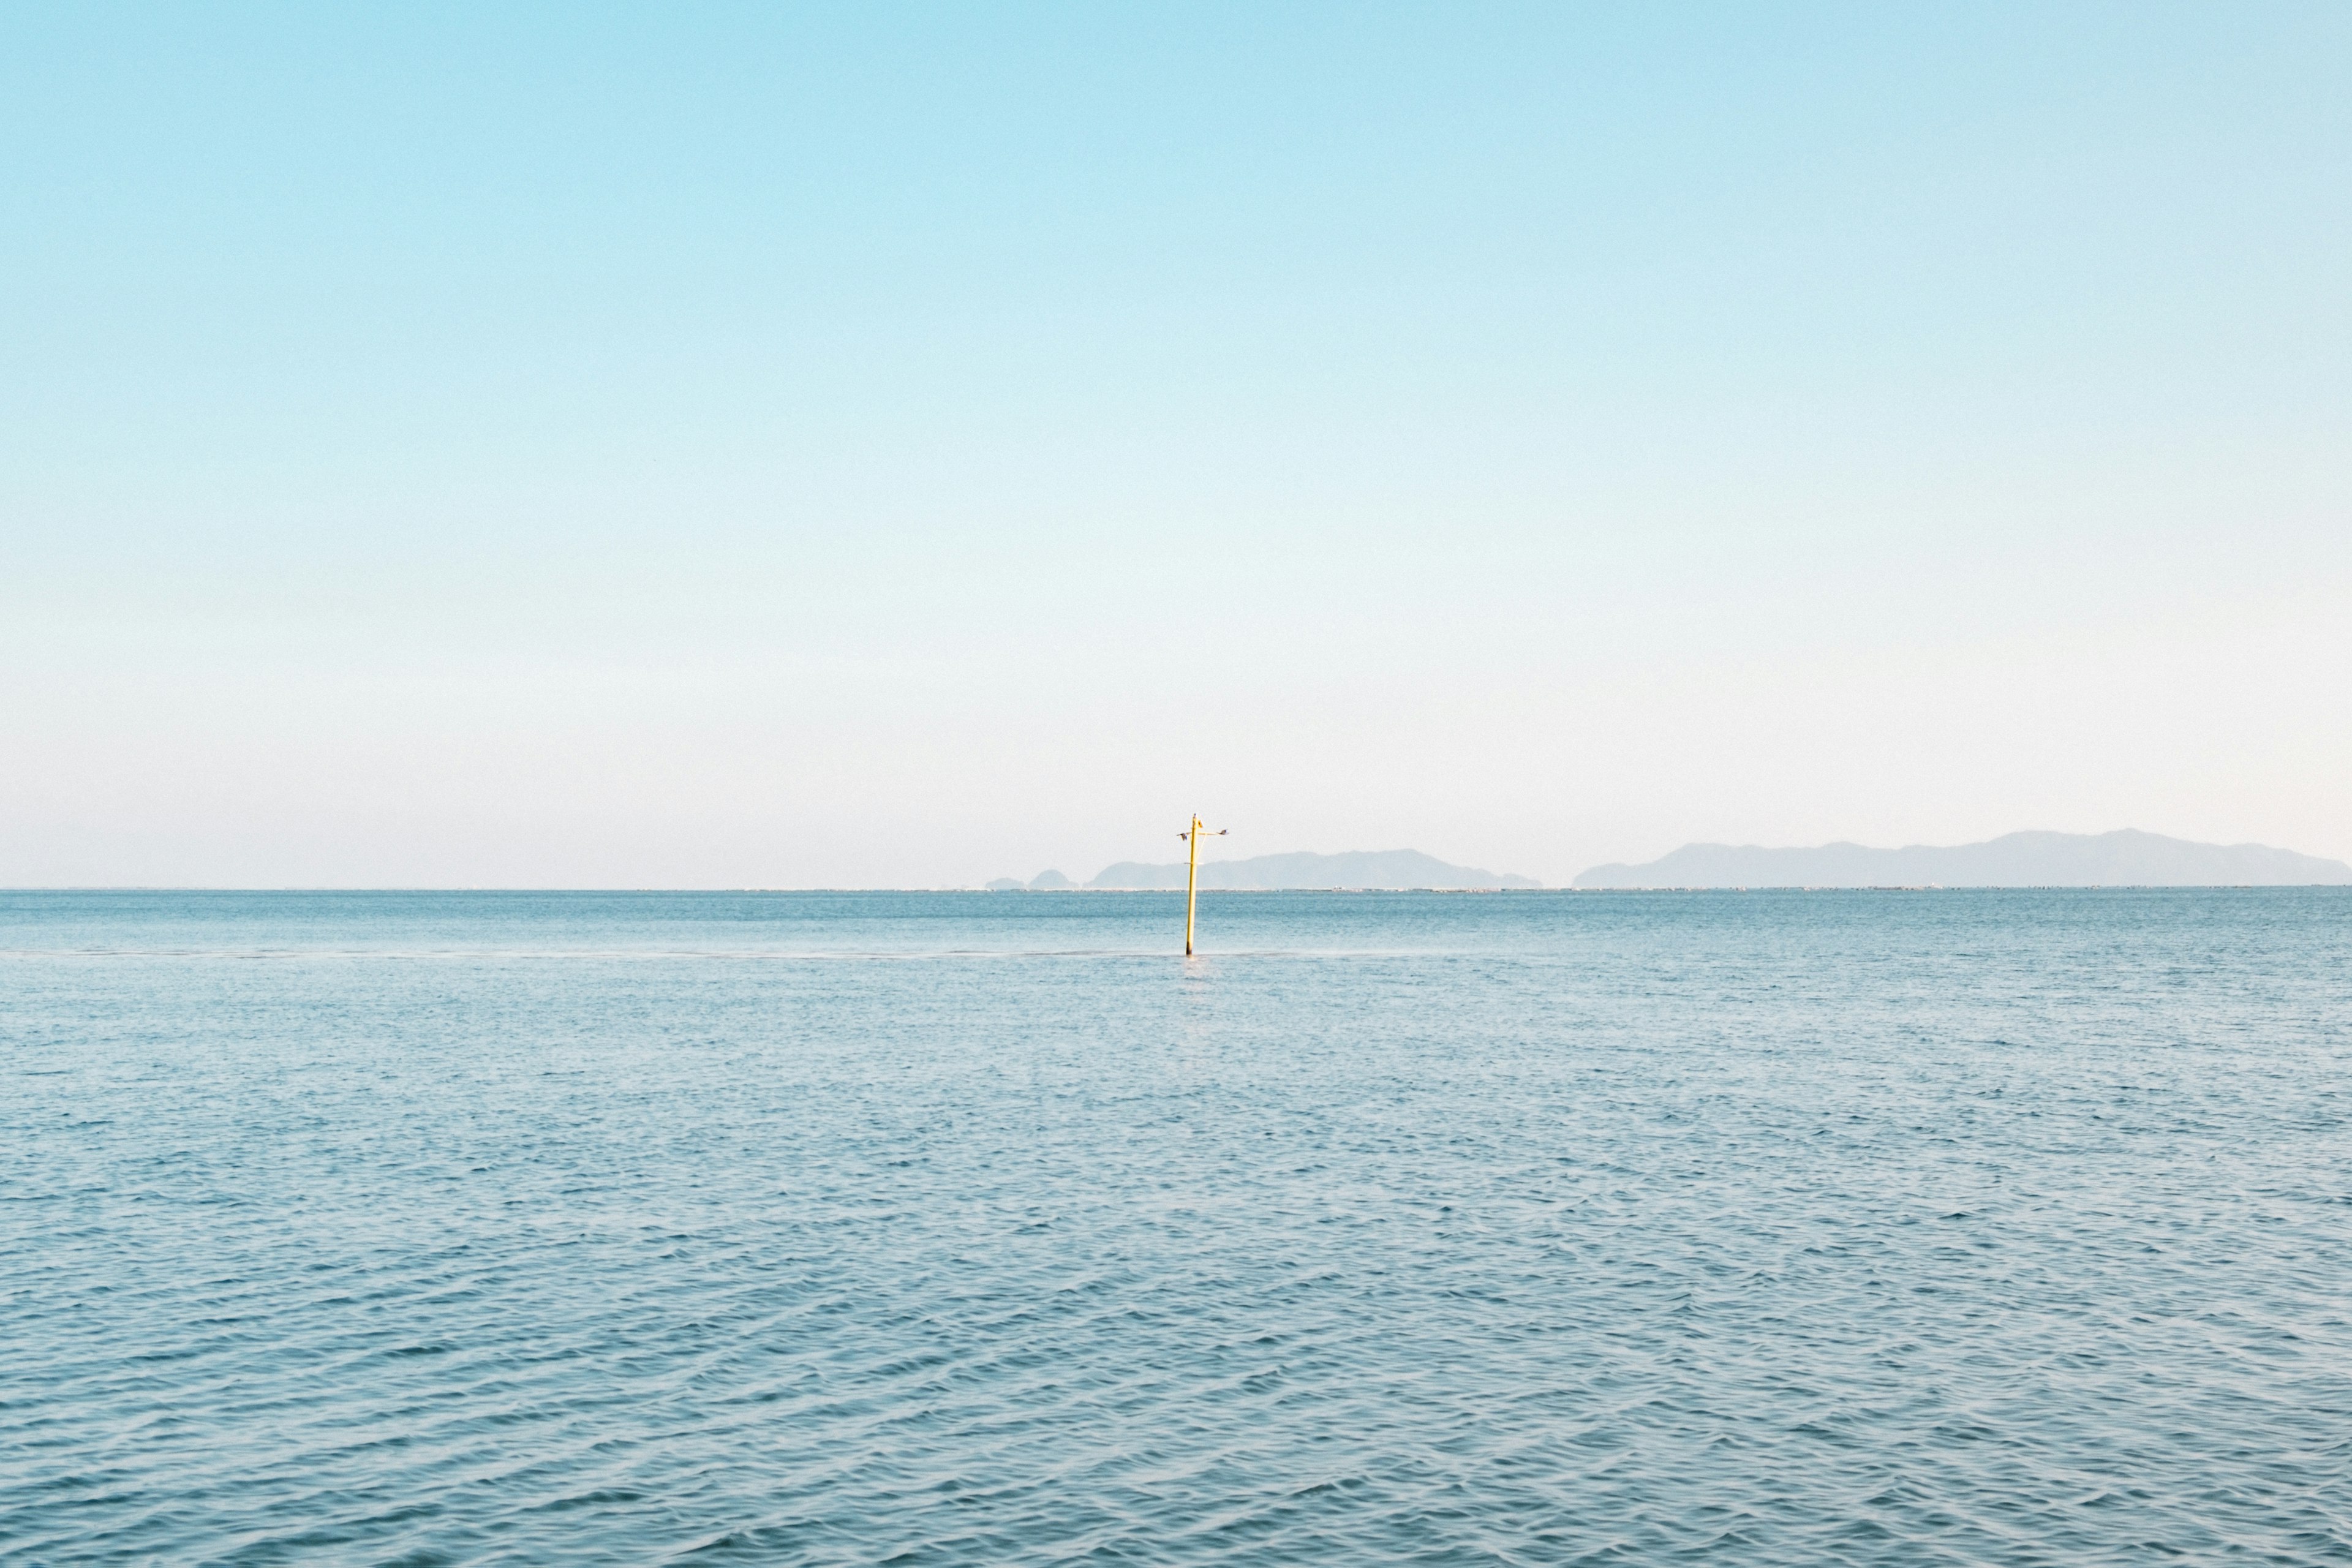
(902, 446)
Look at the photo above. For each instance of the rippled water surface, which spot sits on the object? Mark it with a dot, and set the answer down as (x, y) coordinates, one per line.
(1767, 1229)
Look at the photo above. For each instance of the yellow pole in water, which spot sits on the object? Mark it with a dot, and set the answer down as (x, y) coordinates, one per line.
(1192, 877)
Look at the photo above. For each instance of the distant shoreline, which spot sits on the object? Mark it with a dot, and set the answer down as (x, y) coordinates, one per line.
(133, 888)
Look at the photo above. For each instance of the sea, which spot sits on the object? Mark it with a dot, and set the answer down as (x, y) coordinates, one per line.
(1894, 1227)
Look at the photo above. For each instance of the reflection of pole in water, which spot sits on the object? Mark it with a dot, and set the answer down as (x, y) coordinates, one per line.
(1193, 876)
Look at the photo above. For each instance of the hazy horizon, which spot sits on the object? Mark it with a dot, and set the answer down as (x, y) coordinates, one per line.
(1355, 865)
(537, 448)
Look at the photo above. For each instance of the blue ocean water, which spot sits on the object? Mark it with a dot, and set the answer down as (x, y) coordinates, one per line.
(1982, 1228)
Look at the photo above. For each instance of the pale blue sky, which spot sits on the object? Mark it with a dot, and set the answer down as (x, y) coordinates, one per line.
(755, 446)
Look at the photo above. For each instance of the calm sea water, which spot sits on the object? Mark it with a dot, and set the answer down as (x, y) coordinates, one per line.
(1980, 1228)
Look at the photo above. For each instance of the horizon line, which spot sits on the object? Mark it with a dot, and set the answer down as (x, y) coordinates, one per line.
(1178, 892)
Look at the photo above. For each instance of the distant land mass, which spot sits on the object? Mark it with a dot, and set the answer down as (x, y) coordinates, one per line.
(1043, 882)
(2120, 860)
(1360, 868)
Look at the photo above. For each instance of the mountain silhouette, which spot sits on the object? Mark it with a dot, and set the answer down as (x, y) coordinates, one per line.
(1358, 869)
(2124, 858)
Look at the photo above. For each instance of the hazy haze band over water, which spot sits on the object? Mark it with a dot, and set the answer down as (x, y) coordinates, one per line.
(1983, 1228)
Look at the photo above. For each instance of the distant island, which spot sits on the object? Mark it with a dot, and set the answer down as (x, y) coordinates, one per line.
(2125, 858)
(1388, 868)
